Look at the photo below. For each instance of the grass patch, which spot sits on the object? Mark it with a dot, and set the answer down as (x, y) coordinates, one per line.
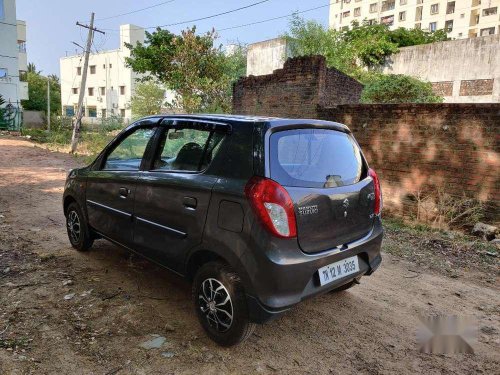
(444, 251)
(92, 139)
(14, 343)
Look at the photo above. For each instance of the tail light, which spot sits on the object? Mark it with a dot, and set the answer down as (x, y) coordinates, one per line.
(273, 206)
(378, 191)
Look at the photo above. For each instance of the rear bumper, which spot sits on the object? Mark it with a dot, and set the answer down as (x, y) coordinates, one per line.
(278, 286)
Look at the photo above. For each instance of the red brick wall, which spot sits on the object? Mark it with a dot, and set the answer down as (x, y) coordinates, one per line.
(444, 88)
(296, 90)
(416, 148)
(426, 148)
(476, 87)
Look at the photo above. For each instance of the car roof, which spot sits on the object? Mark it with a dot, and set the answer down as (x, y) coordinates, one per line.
(271, 121)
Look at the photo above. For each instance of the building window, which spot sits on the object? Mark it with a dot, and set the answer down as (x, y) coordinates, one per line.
(75, 90)
(79, 71)
(402, 16)
(104, 66)
(488, 31)
(91, 91)
(3, 72)
(433, 26)
(462, 15)
(373, 21)
(92, 111)
(403, 2)
(21, 46)
(373, 7)
(346, 14)
(92, 69)
(489, 11)
(122, 112)
(450, 7)
(347, 1)
(102, 90)
(110, 66)
(448, 26)
(122, 90)
(434, 8)
(460, 34)
(69, 111)
(387, 20)
(357, 12)
(420, 1)
(418, 26)
(388, 5)
(418, 14)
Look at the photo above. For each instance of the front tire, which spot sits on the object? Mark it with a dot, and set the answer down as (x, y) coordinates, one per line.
(78, 230)
(220, 304)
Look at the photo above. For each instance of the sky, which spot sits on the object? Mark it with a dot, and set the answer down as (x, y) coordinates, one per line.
(51, 24)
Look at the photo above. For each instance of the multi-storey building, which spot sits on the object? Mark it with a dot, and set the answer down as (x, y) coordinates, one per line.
(460, 18)
(13, 60)
(110, 84)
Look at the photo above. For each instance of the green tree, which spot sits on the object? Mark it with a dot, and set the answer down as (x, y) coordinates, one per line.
(236, 61)
(32, 68)
(37, 91)
(398, 88)
(147, 99)
(311, 38)
(413, 37)
(354, 50)
(189, 64)
(2, 102)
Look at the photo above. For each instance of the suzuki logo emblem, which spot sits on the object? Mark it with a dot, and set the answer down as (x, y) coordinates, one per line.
(345, 203)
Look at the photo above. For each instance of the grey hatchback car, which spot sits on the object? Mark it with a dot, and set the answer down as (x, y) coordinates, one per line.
(258, 213)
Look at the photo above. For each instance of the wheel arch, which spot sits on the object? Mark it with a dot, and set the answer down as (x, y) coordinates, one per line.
(201, 256)
(67, 201)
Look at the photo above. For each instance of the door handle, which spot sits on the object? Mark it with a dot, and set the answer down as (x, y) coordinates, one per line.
(190, 203)
(124, 192)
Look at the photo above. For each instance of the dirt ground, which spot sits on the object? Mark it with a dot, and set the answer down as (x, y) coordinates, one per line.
(119, 301)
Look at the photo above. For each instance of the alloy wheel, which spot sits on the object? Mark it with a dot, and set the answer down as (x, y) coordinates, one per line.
(73, 223)
(216, 305)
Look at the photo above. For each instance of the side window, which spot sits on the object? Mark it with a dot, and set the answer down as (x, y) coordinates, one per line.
(189, 150)
(128, 154)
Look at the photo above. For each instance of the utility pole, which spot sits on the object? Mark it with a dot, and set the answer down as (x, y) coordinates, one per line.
(48, 104)
(78, 121)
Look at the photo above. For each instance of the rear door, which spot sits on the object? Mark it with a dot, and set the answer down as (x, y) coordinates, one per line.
(326, 176)
(111, 187)
(172, 197)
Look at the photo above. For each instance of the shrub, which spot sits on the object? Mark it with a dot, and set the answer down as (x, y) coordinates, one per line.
(398, 88)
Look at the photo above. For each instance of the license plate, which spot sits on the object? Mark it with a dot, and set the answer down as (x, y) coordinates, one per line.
(338, 270)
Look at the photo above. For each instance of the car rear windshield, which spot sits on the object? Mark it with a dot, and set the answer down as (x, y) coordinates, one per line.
(320, 158)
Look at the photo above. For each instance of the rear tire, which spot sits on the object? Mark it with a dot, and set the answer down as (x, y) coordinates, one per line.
(220, 304)
(78, 230)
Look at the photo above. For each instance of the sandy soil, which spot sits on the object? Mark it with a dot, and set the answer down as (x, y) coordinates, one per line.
(121, 300)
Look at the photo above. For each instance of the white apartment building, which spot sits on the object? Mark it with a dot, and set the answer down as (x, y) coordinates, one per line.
(460, 18)
(13, 60)
(110, 84)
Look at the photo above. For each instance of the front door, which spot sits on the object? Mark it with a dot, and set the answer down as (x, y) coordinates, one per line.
(172, 198)
(111, 189)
